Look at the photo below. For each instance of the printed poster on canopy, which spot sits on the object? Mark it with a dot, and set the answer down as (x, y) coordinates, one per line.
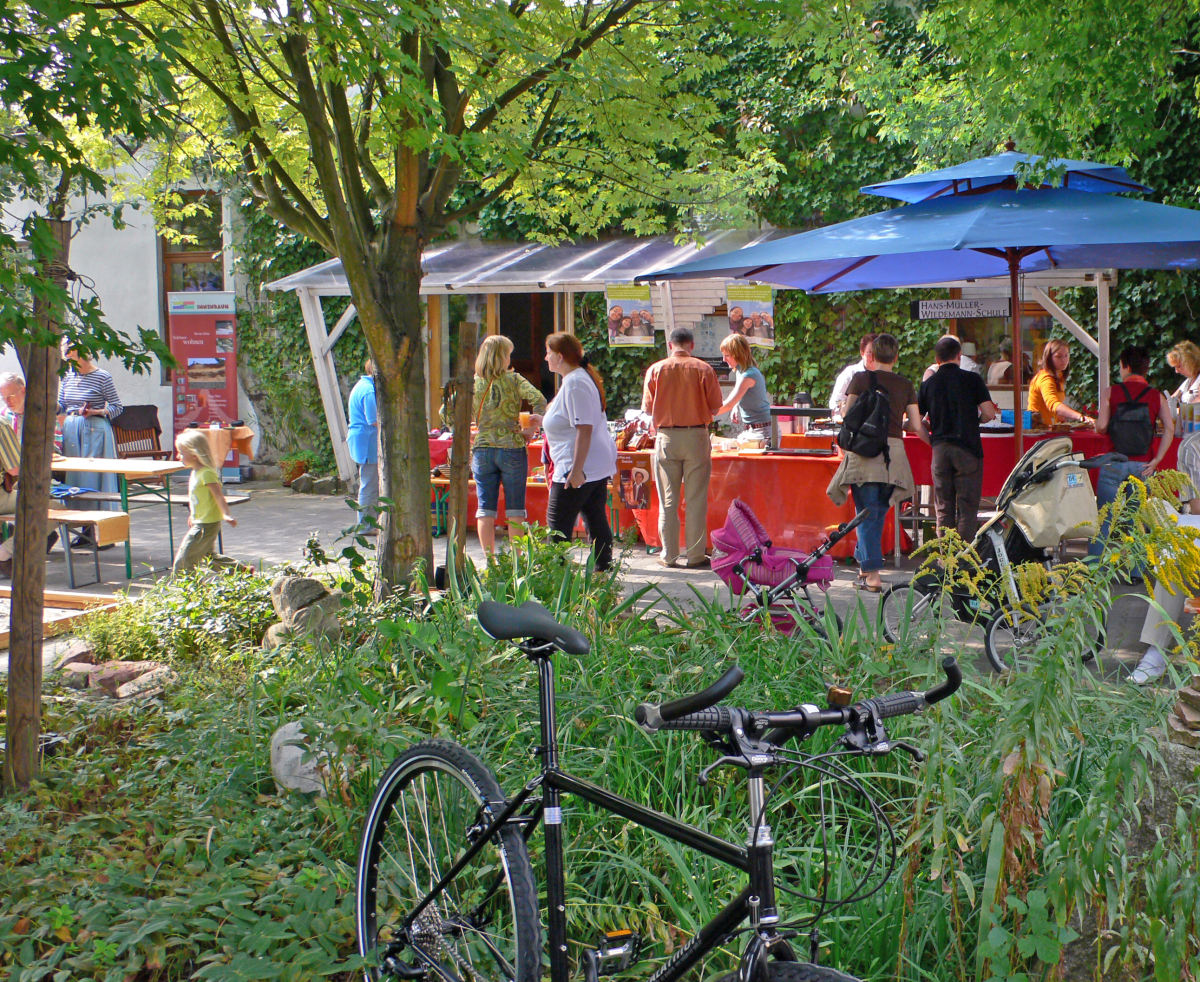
(752, 313)
(630, 315)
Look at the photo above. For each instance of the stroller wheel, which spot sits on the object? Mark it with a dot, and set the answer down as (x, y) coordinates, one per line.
(1013, 634)
(909, 613)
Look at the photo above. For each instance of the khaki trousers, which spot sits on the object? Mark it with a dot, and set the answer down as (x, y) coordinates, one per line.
(682, 467)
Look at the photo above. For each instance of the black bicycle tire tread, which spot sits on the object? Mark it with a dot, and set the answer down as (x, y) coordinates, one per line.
(524, 889)
(798, 972)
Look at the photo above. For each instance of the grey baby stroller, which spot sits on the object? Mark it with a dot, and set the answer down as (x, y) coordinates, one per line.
(1048, 497)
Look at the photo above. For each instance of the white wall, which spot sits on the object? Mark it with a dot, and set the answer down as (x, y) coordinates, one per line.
(123, 268)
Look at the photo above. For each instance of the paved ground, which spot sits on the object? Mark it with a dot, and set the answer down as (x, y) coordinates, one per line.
(275, 524)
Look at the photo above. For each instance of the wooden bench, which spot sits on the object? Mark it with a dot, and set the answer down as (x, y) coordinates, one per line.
(105, 528)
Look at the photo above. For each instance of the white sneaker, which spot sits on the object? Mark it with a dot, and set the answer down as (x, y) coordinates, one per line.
(1152, 666)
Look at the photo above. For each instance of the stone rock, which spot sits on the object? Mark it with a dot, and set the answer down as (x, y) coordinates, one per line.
(79, 652)
(325, 485)
(302, 484)
(296, 764)
(276, 635)
(112, 675)
(290, 593)
(76, 675)
(316, 621)
(150, 684)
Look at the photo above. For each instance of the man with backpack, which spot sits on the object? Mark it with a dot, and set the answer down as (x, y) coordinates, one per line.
(874, 469)
(1127, 413)
(955, 401)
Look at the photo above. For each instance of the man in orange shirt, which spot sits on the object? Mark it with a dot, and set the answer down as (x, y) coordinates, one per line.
(682, 395)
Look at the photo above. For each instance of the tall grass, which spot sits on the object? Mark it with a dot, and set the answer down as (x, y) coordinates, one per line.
(1012, 837)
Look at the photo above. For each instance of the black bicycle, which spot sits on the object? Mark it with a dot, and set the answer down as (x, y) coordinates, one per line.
(445, 888)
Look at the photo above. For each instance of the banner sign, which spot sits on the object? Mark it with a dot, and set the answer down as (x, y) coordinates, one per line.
(203, 329)
(752, 313)
(961, 309)
(630, 315)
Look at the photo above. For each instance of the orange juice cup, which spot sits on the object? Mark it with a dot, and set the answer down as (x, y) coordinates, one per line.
(525, 420)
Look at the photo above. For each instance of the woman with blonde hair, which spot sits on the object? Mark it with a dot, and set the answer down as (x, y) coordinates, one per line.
(583, 456)
(749, 401)
(1185, 359)
(498, 456)
(1047, 389)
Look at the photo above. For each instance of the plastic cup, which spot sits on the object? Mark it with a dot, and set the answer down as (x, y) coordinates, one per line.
(525, 420)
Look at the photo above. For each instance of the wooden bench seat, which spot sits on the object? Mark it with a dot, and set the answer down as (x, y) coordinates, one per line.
(105, 528)
(173, 499)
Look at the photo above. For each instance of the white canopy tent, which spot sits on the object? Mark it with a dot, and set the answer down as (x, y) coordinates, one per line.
(470, 267)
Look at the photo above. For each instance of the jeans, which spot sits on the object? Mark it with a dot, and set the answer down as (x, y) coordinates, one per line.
(873, 499)
(591, 499)
(1108, 482)
(368, 489)
(491, 466)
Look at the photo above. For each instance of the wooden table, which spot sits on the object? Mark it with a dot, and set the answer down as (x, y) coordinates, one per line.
(149, 478)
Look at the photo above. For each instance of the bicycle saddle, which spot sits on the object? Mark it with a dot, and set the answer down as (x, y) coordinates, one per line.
(530, 620)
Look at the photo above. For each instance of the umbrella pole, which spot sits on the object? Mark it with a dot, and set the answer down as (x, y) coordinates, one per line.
(1018, 357)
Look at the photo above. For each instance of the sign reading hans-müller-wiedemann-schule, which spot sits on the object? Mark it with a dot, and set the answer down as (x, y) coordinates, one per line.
(960, 309)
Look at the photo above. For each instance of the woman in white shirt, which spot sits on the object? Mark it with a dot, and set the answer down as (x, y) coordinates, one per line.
(582, 453)
(1185, 359)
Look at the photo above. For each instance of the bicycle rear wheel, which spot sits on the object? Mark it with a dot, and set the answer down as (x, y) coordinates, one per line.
(797, 972)
(430, 806)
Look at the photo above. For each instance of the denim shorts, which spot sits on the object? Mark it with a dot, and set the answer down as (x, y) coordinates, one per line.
(493, 466)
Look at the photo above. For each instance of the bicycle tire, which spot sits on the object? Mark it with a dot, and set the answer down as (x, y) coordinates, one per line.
(484, 925)
(1013, 633)
(908, 612)
(798, 972)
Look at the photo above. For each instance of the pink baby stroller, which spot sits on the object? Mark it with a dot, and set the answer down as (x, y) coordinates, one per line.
(778, 580)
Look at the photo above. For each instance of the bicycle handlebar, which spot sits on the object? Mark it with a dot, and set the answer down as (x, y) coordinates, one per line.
(653, 717)
(802, 721)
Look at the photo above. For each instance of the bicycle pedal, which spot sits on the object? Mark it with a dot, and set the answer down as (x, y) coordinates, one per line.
(616, 951)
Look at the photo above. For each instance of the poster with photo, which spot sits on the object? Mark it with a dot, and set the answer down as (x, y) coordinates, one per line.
(630, 315)
(634, 484)
(752, 313)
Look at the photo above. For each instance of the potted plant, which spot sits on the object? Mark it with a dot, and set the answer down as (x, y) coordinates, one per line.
(295, 463)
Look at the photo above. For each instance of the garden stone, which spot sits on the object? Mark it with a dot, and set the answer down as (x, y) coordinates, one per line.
(316, 620)
(152, 683)
(294, 765)
(79, 652)
(76, 675)
(302, 484)
(276, 635)
(289, 593)
(325, 485)
(112, 675)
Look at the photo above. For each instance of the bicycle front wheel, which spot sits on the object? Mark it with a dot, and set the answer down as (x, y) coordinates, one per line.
(1013, 634)
(910, 613)
(429, 808)
(797, 972)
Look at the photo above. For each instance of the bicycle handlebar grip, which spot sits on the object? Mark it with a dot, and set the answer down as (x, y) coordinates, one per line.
(701, 700)
(713, 718)
(895, 704)
(950, 686)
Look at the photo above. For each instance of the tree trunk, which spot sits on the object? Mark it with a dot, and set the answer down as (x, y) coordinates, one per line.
(460, 453)
(393, 328)
(23, 727)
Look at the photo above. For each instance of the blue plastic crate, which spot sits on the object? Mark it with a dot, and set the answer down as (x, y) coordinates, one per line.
(1007, 416)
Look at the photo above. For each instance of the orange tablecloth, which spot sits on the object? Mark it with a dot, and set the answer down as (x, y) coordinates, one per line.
(223, 439)
(786, 493)
(999, 455)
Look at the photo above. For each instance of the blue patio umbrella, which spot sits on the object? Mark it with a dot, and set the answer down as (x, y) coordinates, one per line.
(965, 236)
(999, 172)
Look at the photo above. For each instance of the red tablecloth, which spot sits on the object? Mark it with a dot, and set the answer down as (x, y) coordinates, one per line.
(786, 493)
(439, 451)
(999, 455)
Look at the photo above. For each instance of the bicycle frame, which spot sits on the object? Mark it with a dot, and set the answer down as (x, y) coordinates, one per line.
(756, 902)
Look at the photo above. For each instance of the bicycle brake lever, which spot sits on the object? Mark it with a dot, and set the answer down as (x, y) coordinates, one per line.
(916, 753)
(702, 777)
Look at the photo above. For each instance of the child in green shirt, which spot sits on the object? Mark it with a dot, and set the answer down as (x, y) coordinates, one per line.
(207, 506)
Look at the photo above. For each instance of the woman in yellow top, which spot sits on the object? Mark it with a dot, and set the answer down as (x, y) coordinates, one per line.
(1047, 394)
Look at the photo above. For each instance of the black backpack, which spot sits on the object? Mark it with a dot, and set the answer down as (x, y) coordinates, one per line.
(1131, 426)
(865, 427)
